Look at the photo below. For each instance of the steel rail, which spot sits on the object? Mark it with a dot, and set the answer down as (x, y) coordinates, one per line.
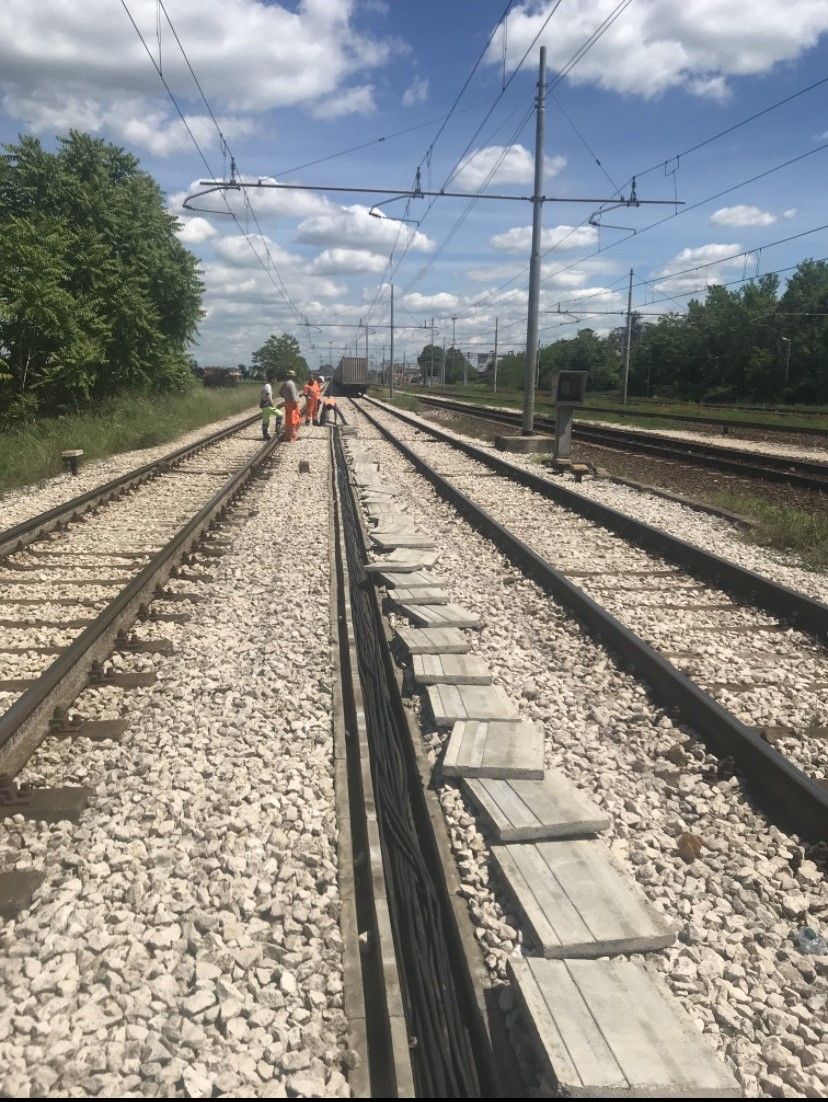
(14, 538)
(803, 473)
(26, 723)
(790, 797)
(720, 422)
(786, 604)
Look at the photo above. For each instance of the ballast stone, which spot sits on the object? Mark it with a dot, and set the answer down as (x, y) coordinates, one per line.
(576, 903)
(610, 1028)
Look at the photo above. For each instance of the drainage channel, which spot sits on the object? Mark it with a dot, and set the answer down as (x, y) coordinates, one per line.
(448, 1052)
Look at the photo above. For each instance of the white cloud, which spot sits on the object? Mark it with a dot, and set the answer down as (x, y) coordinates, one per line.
(742, 215)
(519, 238)
(82, 65)
(267, 202)
(789, 213)
(515, 165)
(353, 227)
(416, 92)
(715, 259)
(240, 251)
(195, 230)
(443, 300)
(659, 44)
(340, 261)
(348, 101)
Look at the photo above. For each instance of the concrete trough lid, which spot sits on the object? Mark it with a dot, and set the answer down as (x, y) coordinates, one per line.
(611, 1029)
(497, 748)
(392, 538)
(577, 903)
(535, 811)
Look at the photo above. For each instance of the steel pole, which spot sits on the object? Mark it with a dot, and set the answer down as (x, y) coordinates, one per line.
(494, 389)
(535, 261)
(391, 364)
(629, 339)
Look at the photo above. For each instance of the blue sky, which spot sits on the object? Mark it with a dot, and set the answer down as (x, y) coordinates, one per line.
(291, 82)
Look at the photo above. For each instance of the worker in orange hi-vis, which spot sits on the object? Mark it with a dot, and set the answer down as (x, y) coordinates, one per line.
(307, 390)
(313, 395)
(290, 394)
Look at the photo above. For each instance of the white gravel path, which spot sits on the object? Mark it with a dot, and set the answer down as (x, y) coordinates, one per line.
(27, 501)
(736, 968)
(186, 939)
(769, 679)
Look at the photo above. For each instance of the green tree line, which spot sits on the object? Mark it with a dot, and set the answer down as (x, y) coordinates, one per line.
(751, 344)
(97, 295)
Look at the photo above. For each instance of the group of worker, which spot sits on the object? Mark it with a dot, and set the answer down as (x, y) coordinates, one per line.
(318, 406)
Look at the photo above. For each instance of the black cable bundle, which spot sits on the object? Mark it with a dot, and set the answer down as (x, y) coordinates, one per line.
(442, 1055)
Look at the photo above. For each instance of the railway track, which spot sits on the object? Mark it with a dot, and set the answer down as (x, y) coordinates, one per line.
(78, 576)
(753, 687)
(801, 473)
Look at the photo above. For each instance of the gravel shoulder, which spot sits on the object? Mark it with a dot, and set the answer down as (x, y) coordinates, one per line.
(186, 939)
(739, 904)
(27, 501)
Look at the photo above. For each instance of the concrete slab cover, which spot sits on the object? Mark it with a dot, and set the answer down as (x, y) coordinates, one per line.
(398, 538)
(439, 616)
(454, 703)
(533, 811)
(425, 595)
(411, 558)
(610, 1028)
(500, 748)
(434, 640)
(450, 669)
(577, 903)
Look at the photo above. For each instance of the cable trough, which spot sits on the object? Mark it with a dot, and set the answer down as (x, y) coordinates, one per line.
(447, 1045)
(786, 793)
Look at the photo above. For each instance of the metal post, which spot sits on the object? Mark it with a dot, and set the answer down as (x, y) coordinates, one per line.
(431, 356)
(629, 339)
(443, 371)
(535, 261)
(787, 341)
(494, 389)
(391, 365)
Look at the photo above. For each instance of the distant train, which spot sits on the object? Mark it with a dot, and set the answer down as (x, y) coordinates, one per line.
(351, 375)
(220, 376)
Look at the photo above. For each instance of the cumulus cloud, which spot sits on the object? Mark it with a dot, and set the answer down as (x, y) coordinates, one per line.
(341, 261)
(717, 261)
(348, 101)
(515, 165)
(742, 215)
(416, 92)
(443, 300)
(267, 202)
(789, 213)
(82, 65)
(658, 44)
(193, 231)
(353, 227)
(519, 238)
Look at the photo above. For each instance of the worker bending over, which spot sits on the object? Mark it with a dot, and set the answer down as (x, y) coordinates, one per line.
(330, 409)
(267, 413)
(291, 417)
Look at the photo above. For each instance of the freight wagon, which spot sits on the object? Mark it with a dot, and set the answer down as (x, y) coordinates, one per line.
(351, 375)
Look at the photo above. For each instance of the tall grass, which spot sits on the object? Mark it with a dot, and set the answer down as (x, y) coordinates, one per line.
(785, 528)
(30, 452)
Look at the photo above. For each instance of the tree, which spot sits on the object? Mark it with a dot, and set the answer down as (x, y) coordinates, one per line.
(97, 295)
(431, 364)
(277, 356)
(457, 365)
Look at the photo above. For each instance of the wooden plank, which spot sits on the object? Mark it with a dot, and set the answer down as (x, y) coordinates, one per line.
(526, 811)
(393, 538)
(425, 595)
(552, 882)
(451, 669)
(414, 579)
(434, 640)
(440, 616)
(610, 1028)
(455, 703)
(502, 748)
